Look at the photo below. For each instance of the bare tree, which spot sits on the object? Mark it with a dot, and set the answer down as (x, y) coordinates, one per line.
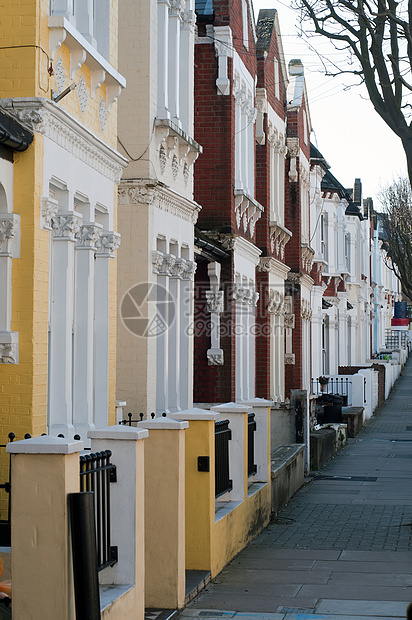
(377, 34)
(397, 227)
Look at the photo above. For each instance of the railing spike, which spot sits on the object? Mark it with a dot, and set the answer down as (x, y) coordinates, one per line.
(141, 416)
(153, 415)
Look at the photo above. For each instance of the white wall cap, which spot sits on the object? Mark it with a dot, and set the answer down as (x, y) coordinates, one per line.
(163, 423)
(118, 431)
(121, 403)
(195, 413)
(232, 408)
(259, 402)
(45, 445)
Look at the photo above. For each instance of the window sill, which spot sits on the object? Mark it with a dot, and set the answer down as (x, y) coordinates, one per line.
(82, 52)
(222, 509)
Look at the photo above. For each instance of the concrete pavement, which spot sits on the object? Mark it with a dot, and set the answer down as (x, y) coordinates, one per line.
(342, 547)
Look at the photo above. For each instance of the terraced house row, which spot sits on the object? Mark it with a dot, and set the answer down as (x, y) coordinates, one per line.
(174, 248)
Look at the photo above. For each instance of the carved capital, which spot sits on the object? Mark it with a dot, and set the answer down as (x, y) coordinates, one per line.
(289, 321)
(215, 301)
(215, 357)
(290, 359)
(88, 236)
(107, 243)
(9, 347)
(190, 270)
(66, 226)
(8, 230)
(49, 208)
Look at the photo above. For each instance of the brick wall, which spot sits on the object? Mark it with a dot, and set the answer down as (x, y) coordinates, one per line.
(213, 384)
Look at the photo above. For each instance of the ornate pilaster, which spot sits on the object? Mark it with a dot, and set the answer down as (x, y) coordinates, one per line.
(224, 50)
(8, 352)
(9, 228)
(215, 305)
(49, 208)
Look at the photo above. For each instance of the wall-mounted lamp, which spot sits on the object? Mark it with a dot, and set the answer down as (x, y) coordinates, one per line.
(56, 98)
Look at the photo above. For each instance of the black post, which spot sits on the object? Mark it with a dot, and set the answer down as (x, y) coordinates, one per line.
(86, 582)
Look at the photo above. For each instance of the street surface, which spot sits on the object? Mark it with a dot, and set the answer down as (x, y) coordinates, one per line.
(342, 547)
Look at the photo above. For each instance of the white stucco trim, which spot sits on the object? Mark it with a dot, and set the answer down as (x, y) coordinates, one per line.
(48, 119)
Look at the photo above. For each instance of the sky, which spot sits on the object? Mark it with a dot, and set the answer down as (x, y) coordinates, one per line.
(346, 129)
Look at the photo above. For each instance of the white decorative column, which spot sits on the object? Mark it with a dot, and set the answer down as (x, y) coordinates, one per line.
(175, 18)
(65, 227)
(239, 95)
(83, 367)
(9, 249)
(162, 58)
(187, 63)
(237, 297)
(186, 334)
(174, 334)
(214, 301)
(108, 243)
(224, 49)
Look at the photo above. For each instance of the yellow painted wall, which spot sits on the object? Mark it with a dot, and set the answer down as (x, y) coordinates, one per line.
(200, 495)
(165, 518)
(23, 386)
(234, 531)
(24, 73)
(211, 545)
(40, 537)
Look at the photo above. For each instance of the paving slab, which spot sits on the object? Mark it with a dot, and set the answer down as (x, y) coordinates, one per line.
(369, 608)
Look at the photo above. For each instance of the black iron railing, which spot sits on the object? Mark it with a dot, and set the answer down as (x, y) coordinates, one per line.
(223, 435)
(96, 474)
(133, 421)
(338, 386)
(251, 428)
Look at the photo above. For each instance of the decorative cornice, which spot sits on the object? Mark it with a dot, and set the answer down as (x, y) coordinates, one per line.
(246, 249)
(147, 192)
(268, 264)
(47, 118)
